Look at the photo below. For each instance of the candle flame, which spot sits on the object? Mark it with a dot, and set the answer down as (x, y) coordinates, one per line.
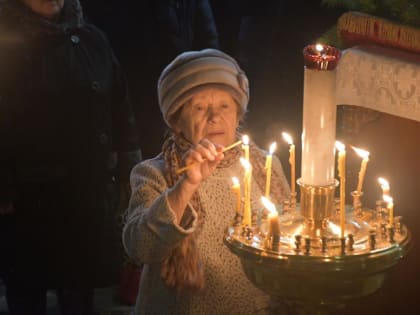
(245, 139)
(235, 181)
(383, 182)
(273, 147)
(340, 146)
(335, 228)
(269, 205)
(319, 47)
(362, 153)
(245, 163)
(287, 137)
(388, 199)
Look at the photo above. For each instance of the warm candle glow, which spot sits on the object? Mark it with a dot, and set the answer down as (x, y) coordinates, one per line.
(342, 174)
(245, 146)
(247, 191)
(287, 137)
(273, 147)
(268, 163)
(236, 189)
(269, 206)
(273, 216)
(390, 206)
(292, 161)
(319, 47)
(384, 186)
(365, 159)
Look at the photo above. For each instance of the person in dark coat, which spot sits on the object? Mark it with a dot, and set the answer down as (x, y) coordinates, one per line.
(68, 140)
(163, 29)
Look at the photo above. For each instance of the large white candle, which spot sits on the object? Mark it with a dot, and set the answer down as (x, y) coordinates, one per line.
(319, 115)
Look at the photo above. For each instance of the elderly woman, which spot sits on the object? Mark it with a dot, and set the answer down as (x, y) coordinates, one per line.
(175, 222)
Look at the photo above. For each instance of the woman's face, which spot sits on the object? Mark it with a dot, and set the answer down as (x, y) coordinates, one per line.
(46, 8)
(212, 114)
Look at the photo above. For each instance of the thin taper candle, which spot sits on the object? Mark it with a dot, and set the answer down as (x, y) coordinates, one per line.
(292, 161)
(268, 164)
(236, 189)
(342, 174)
(247, 192)
(245, 146)
(390, 206)
(384, 186)
(365, 159)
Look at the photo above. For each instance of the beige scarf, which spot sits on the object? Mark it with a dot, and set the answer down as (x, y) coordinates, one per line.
(182, 269)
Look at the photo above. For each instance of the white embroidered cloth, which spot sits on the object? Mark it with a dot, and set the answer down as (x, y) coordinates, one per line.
(382, 79)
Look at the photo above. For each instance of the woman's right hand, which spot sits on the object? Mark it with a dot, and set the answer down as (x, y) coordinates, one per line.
(203, 159)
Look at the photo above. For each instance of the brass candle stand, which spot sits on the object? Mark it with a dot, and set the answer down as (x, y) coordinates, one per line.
(309, 262)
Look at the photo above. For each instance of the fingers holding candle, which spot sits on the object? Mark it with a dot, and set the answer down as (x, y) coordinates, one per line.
(219, 150)
(201, 160)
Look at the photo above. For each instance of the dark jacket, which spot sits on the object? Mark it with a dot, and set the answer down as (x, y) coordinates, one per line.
(149, 34)
(66, 129)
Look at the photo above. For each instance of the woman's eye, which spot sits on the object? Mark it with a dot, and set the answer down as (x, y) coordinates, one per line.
(199, 107)
(225, 105)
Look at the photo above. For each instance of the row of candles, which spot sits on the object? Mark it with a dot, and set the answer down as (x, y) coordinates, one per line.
(273, 214)
(248, 175)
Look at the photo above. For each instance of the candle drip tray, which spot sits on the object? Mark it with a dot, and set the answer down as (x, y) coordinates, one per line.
(311, 263)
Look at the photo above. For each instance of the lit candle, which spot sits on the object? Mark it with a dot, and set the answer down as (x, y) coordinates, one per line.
(236, 189)
(384, 186)
(292, 161)
(247, 192)
(319, 48)
(365, 159)
(319, 115)
(342, 174)
(273, 216)
(268, 163)
(245, 146)
(390, 205)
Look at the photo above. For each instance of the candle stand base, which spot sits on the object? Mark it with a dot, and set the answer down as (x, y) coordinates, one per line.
(311, 263)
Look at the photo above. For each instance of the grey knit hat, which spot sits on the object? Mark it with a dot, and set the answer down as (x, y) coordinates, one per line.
(192, 71)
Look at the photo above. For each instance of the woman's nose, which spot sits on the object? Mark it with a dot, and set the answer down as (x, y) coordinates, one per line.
(214, 114)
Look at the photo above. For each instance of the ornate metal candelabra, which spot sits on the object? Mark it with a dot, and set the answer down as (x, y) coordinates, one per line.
(309, 262)
(314, 257)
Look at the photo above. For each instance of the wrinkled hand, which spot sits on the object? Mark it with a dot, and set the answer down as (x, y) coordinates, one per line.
(6, 208)
(203, 158)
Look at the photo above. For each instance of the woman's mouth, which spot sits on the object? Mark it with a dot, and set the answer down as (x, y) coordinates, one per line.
(215, 134)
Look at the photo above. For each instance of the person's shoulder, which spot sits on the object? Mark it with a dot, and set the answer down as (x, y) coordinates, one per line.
(151, 169)
(155, 165)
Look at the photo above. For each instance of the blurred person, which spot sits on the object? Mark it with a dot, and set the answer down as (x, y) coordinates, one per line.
(68, 142)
